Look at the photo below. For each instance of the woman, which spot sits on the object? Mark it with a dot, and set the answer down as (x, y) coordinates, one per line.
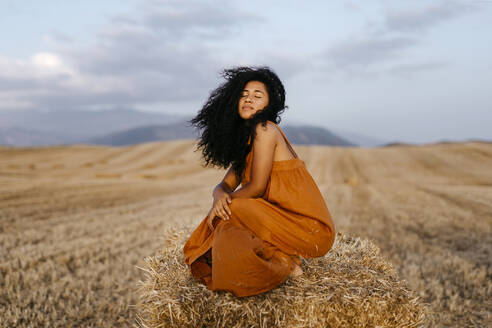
(253, 238)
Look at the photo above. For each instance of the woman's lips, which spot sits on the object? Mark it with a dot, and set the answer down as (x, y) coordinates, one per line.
(247, 107)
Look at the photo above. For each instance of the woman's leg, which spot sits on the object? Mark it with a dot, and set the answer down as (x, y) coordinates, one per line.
(244, 264)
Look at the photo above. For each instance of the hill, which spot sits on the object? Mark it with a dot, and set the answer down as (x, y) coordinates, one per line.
(54, 127)
(304, 135)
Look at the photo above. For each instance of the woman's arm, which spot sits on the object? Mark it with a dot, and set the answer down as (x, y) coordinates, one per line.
(222, 198)
(264, 149)
(228, 184)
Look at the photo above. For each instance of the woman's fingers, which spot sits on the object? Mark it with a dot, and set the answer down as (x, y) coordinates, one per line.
(226, 208)
(220, 209)
(229, 200)
(222, 213)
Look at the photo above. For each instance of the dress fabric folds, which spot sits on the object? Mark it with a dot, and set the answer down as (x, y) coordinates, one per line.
(257, 248)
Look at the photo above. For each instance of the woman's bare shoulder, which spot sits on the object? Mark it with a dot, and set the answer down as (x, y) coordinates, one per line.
(268, 130)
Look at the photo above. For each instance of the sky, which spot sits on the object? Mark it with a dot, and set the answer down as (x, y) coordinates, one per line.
(413, 71)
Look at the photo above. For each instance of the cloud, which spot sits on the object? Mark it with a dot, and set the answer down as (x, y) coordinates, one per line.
(197, 19)
(165, 52)
(57, 37)
(378, 50)
(417, 20)
(368, 51)
(171, 51)
(352, 6)
(46, 60)
(407, 70)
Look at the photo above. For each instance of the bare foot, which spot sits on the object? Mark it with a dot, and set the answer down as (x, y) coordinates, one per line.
(297, 271)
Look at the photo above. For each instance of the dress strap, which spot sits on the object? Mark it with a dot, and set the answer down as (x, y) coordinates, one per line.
(285, 138)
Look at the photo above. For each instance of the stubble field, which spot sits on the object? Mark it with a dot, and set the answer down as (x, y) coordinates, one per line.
(77, 221)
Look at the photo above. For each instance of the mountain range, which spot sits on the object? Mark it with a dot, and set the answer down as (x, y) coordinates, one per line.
(126, 126)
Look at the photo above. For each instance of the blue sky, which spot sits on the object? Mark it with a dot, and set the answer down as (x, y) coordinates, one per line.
(413, 71)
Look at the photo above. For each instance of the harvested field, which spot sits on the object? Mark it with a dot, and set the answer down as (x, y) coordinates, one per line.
(76, 221)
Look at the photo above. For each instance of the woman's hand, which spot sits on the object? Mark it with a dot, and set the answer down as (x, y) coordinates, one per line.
(220, 208)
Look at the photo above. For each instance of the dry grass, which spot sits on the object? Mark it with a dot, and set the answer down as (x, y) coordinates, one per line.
(70, 241)
(352, 286)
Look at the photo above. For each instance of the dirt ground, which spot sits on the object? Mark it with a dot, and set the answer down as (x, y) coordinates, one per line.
(77, 221)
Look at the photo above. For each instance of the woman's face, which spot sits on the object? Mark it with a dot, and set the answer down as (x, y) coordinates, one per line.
(253, 99)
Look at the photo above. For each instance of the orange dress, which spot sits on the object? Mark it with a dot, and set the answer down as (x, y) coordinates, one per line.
(257, 248)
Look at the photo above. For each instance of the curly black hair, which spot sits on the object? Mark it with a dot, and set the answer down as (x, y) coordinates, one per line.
(224, 140)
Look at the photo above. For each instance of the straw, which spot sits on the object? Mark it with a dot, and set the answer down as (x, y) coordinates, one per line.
(351, 286)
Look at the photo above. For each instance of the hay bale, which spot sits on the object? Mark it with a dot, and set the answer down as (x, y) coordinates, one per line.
(352, 286)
